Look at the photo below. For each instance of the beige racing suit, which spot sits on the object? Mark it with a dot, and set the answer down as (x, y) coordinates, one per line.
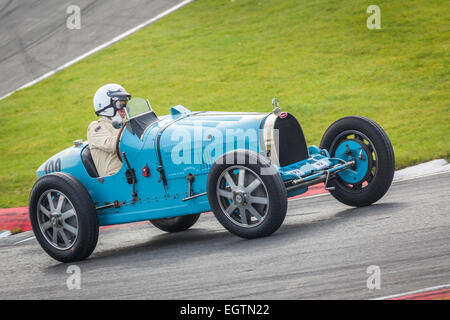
(102, 138)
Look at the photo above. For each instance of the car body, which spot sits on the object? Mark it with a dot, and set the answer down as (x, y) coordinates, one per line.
(168, 161)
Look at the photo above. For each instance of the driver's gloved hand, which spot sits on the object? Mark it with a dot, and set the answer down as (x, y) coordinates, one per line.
(117, 124)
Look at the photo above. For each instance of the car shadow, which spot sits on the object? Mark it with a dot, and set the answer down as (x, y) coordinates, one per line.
(197, 242)
(192, 241)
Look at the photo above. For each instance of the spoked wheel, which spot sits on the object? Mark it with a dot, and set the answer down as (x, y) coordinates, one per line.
(246, 200)
(242, 196)
(365, 142)
(57, 219)
(63, 217)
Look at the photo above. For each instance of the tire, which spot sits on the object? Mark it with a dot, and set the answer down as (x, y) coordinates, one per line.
(176, 224)
(60, 205)
(256, 204)
(380, 160)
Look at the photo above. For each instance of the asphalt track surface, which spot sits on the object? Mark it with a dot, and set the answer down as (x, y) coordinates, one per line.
(34, 37)
(322, 251)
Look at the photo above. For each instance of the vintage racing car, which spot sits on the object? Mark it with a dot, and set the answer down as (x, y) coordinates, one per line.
(242, 166)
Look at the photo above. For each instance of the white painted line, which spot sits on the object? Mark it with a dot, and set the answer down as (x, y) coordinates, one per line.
(30, 238)
(107, 44)
(5, 234)
(421, 176)
(413, 292)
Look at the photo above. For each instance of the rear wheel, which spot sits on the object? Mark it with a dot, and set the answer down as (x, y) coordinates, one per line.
(365, 142)
(176, 224)
(63, 217)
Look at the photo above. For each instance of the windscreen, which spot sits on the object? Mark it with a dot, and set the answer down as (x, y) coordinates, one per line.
(140, 115)
(137, 106)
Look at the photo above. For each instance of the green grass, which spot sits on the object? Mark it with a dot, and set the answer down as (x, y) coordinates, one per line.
(16, 231)
(317, 57)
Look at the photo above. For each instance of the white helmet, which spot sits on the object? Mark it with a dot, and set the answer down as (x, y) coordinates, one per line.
(107, 98)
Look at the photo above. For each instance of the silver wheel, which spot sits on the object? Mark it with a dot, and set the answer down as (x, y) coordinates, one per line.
(242, 196)
(57, 219)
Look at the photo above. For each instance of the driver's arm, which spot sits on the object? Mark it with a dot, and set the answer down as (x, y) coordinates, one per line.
(102, 137)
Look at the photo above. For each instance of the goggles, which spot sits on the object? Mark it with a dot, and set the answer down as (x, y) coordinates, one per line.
(120, 104)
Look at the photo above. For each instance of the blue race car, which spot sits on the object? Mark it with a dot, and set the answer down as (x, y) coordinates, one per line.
(242, 166)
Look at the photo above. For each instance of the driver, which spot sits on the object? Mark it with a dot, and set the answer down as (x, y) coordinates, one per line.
(109, 103)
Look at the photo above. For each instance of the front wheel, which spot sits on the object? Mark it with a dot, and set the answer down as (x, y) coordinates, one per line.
(365, 142)
(248, 197)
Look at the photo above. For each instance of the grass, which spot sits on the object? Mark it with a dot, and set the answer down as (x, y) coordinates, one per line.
(16, 231)
(13, 231)
(317, 57)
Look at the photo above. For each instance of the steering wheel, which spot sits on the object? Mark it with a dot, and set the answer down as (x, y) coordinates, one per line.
(118, 142)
